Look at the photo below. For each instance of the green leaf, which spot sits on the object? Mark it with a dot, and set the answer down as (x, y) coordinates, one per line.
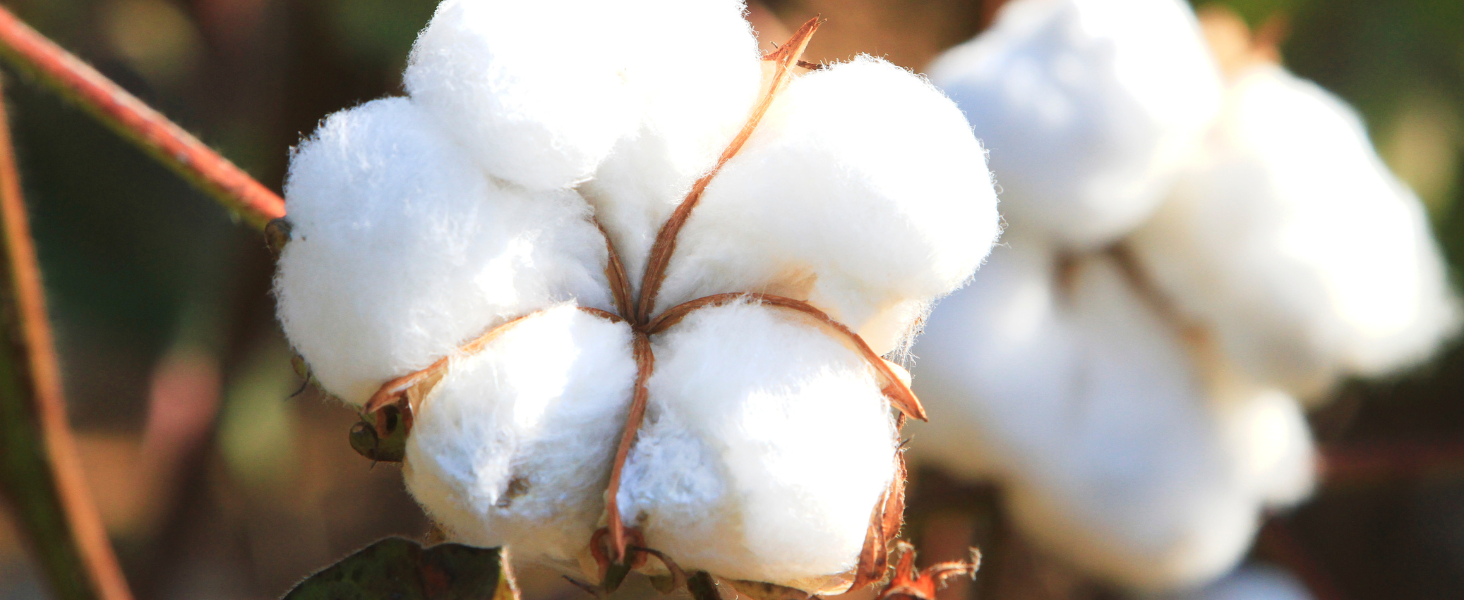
(399, 569)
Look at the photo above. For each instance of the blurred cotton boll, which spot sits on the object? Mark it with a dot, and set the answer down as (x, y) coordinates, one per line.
(1119, 452)
(1088, 108)
(1139, 392)
(1289, 238)
(1251, 582)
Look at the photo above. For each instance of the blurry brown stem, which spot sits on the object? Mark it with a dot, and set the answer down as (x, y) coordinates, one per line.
(1353, 463)
(39, 467)
(129, 117)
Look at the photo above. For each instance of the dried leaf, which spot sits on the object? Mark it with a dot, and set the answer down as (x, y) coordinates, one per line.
(400, 569)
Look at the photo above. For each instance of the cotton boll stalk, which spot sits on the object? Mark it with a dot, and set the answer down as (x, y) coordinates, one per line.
(1250, 582)
(1117, 451)
(1291, 240)
(700, 75)
(513, 82)
(766, 448)
(513, 446)
(862, 191)
(402, 249)
(1087, 106)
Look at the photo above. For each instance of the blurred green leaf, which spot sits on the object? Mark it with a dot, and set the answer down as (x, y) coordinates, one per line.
(400, 569)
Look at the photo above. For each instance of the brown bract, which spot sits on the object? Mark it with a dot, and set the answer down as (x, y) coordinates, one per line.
(611, 545)
(911, 584)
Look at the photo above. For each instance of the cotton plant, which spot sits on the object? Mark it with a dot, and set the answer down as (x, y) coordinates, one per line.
(618, 287)
(1134, 366)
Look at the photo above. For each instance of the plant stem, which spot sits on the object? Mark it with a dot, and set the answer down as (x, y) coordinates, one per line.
(129, 117)
(40, 473)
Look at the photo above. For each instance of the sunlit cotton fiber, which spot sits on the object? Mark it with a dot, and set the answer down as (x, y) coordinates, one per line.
(767, 445)
(1087, 106)
(868, 219)
(424, 223)
(514, 445)
(403, 249)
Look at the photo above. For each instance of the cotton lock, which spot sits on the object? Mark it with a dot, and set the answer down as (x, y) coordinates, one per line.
(478, 253)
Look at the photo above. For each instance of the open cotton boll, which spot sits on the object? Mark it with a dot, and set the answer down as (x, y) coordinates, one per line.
(700, 79)
(513, 83)
(1115, 451)
(767, 446)
(513, 446)
(402, 249)
(863, 191)
(1250, 582)
(1292, 241)
(1087, 107)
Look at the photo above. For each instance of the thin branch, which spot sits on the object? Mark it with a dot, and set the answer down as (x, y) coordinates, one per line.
(129, 117)
(1342, 464)
(39, 467)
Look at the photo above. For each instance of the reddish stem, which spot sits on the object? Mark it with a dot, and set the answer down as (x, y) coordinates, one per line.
(783, 59)
(645, 362)
(1344, 464)
(39, 465)
(129, 117)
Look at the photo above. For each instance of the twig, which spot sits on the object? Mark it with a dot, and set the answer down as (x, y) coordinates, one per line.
(39, 468)
(129, 117)
(1376, 461)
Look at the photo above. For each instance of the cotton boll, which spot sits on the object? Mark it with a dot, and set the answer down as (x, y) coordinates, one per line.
(402, 249)
(766, 448)
(1118, 453)
(700, 78)
(514, 445)
(1292, 241)
(977, 363)
(1251, 582)
(1087, 107)
(1267, 439)
(862, 191)
(513, 83)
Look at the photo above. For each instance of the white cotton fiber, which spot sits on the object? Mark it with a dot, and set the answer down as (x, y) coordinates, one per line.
(702, 77)
(1118, 452)
(766, 447)
(1087, 107)
(514, 445)
(1291, 240)
(862, 191)
(1250, 582)
(402, 250)
(536, 92)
